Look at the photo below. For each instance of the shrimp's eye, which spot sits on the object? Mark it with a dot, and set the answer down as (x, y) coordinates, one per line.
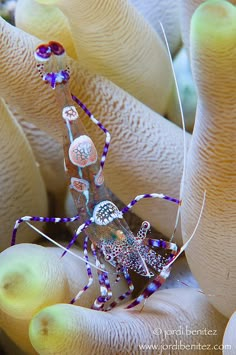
(57, 48)
(146, 225)
(108, 257)
(43, 52)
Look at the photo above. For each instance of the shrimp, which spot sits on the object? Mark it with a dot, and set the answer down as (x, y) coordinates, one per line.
(100, 219)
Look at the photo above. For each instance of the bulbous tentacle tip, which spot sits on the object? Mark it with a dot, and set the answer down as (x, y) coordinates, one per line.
(215, 18)
(29, 280)
(49, 329)
(215, 9)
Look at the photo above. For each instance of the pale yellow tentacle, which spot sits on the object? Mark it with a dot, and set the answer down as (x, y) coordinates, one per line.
(31, 278)
(211, 162)
(45, 22)
(64, 329)
(166, 12)
(22, 187)
(113, 40)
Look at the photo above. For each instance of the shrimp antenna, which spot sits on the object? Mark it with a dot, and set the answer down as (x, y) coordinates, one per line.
(61, 247)
(182, 249)
(184, 132)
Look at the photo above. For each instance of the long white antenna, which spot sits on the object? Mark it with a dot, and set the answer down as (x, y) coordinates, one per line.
(63, 248)
(184, 132)
(182, 249)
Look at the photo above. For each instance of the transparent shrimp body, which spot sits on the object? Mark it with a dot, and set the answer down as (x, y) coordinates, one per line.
(109, 231)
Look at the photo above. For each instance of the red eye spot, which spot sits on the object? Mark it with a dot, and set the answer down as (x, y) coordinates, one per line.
(43, 52)
(56, 48)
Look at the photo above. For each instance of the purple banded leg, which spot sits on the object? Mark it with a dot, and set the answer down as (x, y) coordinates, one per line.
(118, 276)
(124, 295)
(140, 197)
(152, 287)
(92, 118)
(101, 278)
(159, 243)
(89, 272)
(106, 293)
(155, 284)
(40, 219)
(79, 230)
(105, 287)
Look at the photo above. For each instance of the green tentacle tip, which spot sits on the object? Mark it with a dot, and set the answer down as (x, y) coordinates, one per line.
(213, 21)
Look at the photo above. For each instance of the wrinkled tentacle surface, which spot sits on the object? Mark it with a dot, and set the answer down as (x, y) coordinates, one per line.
(212, 155)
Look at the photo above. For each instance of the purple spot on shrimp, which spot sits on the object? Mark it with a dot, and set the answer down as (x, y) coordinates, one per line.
(65, 75)
(51, 79)
(56, 48)
(43, 52)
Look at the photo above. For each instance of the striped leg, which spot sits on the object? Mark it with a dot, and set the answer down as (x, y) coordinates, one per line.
(106, 293)
(124, 295)
(155, 284)
(154, 195)
(159, 243)
(108, 136)
(39, 219)
(118, 275)
(101, 279)
(152, 287)
(105, 287)
(89, 272)
(77, 233)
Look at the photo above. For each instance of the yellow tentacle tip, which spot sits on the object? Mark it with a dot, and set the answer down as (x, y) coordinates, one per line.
(215, 19)
(48, 330)
(30, 278)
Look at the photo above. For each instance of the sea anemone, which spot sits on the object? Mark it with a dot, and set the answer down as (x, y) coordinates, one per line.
(120, 69)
